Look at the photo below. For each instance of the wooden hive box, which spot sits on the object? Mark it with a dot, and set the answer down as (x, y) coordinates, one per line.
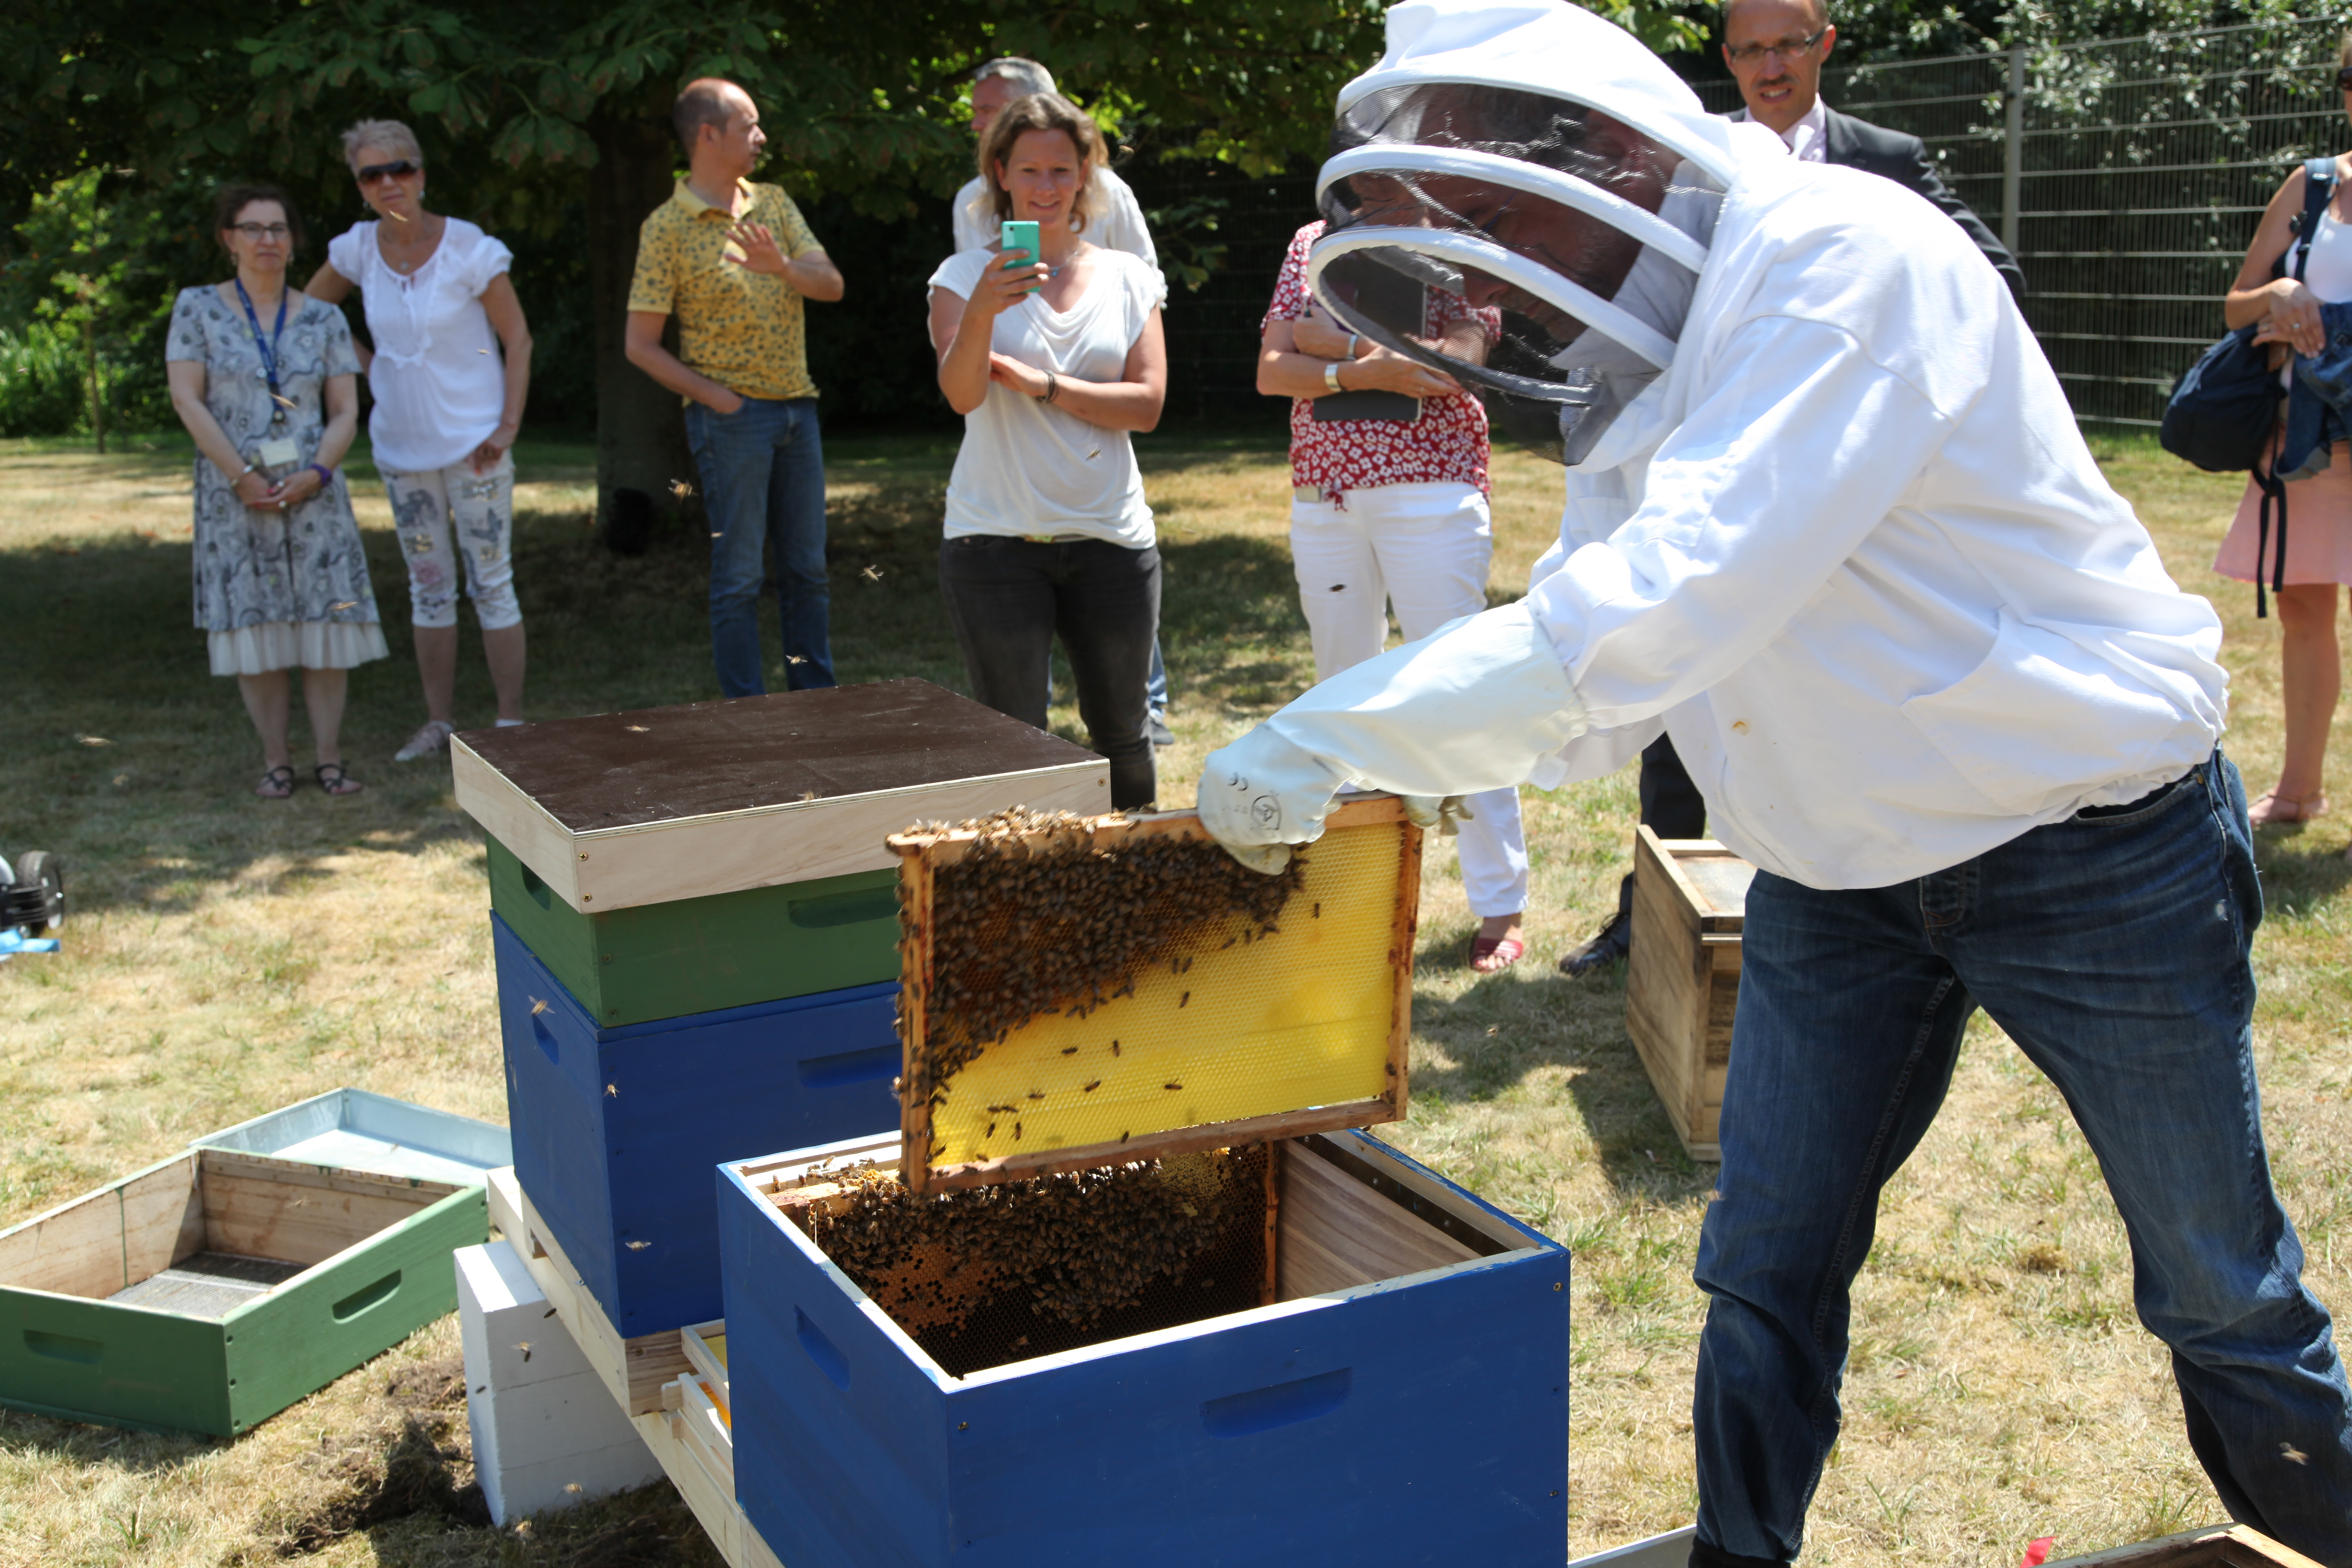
(620, 810)
(1398, 1306)
(1682, 981)
(2216, 1546)
(650, 962)
(616, 1130)
(208, 1293)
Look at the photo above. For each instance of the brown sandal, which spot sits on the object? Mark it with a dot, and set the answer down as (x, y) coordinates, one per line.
(333, 780)
(277, 784)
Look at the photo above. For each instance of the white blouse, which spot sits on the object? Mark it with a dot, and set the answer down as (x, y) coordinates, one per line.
(438, 378)
(1026, 467)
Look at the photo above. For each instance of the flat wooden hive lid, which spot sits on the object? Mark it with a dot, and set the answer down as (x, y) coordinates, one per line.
(663, 765)
(1292, 1017)
(661, 804)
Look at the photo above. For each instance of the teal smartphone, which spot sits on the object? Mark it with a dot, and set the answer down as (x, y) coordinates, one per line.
(1018, 243)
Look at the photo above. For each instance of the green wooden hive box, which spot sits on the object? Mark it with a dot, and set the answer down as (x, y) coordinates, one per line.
(674, 861)
(208, 1293)
(649, 961)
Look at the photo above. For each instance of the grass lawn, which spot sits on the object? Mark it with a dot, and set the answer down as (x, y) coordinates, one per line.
(228, 955)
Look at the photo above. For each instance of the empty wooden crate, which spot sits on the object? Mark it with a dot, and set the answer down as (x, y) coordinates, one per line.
(1682, 981)
(1232, 1414)
(208, 1293)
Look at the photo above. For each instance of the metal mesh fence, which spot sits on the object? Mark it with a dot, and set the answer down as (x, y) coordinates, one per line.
(2140, 165)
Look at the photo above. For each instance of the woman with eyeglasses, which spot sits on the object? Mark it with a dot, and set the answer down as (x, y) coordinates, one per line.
(450, 368)
(264, 378)
(2284, 311)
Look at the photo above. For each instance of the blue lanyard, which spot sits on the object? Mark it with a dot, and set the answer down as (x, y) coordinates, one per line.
(268, 351)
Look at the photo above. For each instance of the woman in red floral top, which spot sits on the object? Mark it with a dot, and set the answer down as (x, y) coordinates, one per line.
(1392, 512)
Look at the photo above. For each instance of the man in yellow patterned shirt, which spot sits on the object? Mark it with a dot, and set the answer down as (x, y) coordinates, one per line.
(732, 261)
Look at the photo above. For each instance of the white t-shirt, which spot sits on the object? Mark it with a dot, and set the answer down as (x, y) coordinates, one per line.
(1027, 467)
(1115, 222)
(438, 379)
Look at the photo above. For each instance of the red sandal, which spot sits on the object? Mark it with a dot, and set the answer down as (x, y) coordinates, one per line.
(1492, 955)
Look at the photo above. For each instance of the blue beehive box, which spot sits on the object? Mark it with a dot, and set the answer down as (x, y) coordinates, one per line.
(616, 1130)
(1403, 1305)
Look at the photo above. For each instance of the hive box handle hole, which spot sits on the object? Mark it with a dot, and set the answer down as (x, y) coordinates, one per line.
(359, 1301)
(1282, 1405)
(849, 1067)
(545, 1037)
(823, 1351)
(536, 886)
(844, 909)
(62, 1347)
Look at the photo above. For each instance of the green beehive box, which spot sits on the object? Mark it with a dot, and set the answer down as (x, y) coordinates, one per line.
(208, 1293)
(697, 955)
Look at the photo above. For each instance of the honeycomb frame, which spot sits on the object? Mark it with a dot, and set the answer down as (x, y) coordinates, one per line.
(923, 854)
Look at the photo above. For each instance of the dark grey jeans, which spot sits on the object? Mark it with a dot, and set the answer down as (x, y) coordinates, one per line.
(1009, 599)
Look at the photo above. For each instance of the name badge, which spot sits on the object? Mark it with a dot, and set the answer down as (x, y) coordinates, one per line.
(277, 453)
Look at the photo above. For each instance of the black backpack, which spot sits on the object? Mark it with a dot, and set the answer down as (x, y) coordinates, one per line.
(2225, 407)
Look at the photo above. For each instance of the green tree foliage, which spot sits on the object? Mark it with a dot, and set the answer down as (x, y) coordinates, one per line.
(82, 311)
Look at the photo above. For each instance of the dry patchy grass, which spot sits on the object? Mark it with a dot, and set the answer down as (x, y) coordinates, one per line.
(228, 955)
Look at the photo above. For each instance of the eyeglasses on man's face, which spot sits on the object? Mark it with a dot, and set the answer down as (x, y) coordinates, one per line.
(368, 173)
(262, 230)
(1787, 49)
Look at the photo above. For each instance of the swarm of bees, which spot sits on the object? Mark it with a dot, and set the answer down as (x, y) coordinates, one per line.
(1035, 920)
(981, 1276)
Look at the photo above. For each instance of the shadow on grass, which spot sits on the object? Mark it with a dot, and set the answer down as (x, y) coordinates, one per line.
(1503, 1031)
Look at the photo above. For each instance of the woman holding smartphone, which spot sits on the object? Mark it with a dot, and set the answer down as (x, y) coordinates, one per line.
(1053, 358)
(450, 369)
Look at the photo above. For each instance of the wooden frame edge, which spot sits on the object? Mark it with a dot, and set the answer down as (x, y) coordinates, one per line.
(1178, 1141)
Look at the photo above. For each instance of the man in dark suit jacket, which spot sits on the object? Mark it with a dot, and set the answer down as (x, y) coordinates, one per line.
(1776, 49)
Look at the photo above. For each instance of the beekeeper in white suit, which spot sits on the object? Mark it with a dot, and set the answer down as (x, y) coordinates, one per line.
(1830, 523)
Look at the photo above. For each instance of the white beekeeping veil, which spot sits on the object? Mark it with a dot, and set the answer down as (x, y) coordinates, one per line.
(1548, 173)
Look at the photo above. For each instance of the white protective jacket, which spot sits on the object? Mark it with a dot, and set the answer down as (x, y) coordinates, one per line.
(1853, 553)
(1849, 549)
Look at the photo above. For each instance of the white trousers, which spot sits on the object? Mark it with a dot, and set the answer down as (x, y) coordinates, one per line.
(450, 515)
(1426, 550)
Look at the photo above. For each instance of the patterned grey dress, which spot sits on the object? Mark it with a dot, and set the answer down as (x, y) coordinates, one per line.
(274, 589)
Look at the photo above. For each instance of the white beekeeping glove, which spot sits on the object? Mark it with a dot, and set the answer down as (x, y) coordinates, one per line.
(1473, 706)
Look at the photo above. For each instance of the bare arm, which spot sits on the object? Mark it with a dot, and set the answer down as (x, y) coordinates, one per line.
(960, 330)
(1283, 371)
(1131, 403)
(811, 273)
(641, 342)
(187, 380)
(330, 286)
(2286, 310)
(505, 310)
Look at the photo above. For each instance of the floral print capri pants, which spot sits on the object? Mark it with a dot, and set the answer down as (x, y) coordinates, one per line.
(444, 515)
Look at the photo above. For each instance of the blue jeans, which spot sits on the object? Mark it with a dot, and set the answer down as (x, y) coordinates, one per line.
(762, 471)
(2114, 949)
(1008, 599)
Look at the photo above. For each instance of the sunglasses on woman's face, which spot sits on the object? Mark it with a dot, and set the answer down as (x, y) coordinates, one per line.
(368, 173)
(2344, 79)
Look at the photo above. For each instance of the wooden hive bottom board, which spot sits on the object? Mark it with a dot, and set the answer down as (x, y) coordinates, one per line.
(212, 1290)
(1398, 1302)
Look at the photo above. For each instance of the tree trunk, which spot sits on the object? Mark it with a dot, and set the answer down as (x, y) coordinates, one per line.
(96, 400)
(640, 436)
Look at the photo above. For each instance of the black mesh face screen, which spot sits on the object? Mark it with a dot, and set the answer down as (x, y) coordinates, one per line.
(983, 1276)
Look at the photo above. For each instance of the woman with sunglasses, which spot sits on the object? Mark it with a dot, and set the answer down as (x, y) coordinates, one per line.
(2284, 311)
(263, 378)
(440, 307)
